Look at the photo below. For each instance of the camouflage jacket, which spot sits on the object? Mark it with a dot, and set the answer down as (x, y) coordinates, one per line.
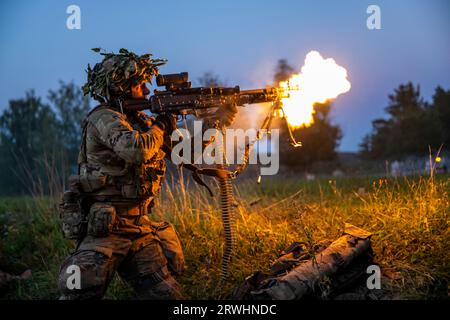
(121, 155)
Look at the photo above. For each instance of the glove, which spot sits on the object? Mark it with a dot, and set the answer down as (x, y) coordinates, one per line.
(225, 115)
(168, 123)
(229, 114)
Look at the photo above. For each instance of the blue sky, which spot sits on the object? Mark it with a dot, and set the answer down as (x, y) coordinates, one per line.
(239, 40)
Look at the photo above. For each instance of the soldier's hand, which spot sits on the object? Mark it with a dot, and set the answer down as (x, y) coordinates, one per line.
(168, 123)
(225, 115)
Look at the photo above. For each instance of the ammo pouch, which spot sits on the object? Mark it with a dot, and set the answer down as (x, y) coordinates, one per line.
(171, 245)
(73, 219)
(102, 218)
(130, 191)
(88, 183)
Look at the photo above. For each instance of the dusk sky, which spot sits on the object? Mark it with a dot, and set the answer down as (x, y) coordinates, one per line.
(240, 41)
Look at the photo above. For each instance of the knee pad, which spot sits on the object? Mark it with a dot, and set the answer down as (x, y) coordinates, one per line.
(158, 286)
(85, 275)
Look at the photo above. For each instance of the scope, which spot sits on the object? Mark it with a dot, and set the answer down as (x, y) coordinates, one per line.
(173, 80)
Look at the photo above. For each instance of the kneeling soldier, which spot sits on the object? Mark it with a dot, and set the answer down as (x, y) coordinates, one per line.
(121, 168)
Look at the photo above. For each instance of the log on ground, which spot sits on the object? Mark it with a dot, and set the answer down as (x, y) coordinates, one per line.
(331, 269)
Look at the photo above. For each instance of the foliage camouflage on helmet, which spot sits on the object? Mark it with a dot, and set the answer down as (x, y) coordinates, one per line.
(117, 72)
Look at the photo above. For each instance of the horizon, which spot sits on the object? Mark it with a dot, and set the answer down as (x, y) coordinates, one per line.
(239, 42)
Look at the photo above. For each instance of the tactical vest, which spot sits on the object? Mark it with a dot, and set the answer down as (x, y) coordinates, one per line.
(103, 173)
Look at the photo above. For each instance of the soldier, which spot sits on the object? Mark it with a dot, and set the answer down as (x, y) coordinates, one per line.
(121, 168)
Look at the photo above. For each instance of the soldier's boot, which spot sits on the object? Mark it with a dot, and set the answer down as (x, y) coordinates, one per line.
(96, 272)
(158, 286)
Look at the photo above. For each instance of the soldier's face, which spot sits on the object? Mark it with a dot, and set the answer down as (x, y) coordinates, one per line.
(139, 91)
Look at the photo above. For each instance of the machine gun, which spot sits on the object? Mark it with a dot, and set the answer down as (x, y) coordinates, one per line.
(179, 98)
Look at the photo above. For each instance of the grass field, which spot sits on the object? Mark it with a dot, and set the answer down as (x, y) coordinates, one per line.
(409, 218)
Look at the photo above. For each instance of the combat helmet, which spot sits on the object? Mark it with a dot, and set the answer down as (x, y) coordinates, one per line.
(116, 73)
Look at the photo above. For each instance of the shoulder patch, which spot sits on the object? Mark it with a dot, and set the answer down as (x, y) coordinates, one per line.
(105, 113)
(108, 122)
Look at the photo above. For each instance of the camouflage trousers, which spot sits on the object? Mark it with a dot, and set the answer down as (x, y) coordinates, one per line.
(140, 262)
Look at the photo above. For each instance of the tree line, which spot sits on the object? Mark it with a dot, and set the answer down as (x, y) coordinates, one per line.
(411, 127)
(39, 140)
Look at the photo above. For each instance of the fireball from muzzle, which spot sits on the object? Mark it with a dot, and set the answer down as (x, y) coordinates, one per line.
(319, 80)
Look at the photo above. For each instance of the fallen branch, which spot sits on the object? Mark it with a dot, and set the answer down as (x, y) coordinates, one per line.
(333, 267)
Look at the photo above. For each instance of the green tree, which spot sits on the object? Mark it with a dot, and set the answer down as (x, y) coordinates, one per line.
(39, 142)
(210, 80)
(411, 127)
(441, 110)
(71, 107)
(29, 133)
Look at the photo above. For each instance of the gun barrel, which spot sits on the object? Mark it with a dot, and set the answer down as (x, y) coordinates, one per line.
(217, 91)
(260, 95)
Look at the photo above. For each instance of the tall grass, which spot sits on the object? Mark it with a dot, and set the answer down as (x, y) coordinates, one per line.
(409, 218)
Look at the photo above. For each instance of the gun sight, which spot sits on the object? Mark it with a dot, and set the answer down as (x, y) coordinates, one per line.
(174, 81)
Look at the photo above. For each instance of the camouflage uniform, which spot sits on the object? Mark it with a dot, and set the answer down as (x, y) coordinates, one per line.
(122, 163)
(121, 167)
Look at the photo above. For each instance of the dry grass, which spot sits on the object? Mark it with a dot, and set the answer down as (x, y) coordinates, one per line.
(408, 216)
(409, 219)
